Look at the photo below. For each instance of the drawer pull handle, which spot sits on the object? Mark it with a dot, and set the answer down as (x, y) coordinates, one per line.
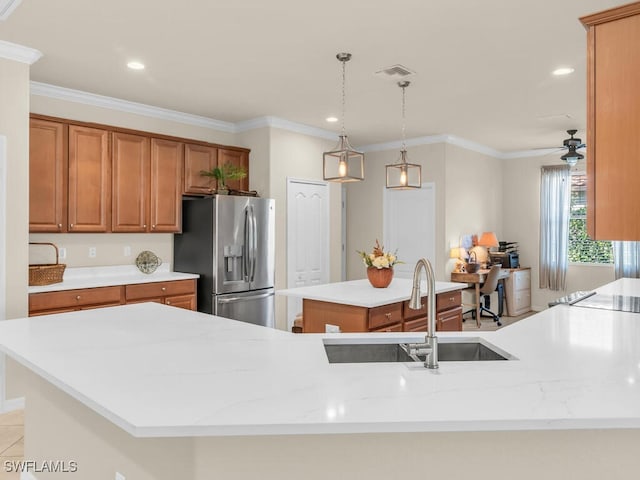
(168, 302)
(77, 297)
(451, 299)
(388, 315)
(164, 289)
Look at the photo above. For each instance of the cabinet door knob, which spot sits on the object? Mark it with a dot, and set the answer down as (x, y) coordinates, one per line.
(59, 225)
(77, 297)
(145, 225)
(71, 225)
(153, 226)
(163, 289)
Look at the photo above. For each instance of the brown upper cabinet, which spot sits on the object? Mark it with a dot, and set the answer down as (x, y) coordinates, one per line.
(93, 178)
(147, 182)
(238, 158)
(167, 162)
(47, 176)
(196, 159)
(613, 122)
(89, 191)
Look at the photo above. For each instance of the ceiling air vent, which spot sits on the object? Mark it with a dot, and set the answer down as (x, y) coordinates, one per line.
(395, 73)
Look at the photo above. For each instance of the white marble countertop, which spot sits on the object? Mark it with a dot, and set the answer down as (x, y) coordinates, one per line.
(361, 294)
(91, 277)
(158, 371)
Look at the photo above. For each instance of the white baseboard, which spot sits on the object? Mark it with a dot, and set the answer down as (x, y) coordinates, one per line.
(12, 404)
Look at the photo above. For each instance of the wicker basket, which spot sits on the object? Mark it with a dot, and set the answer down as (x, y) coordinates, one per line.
(46, 274)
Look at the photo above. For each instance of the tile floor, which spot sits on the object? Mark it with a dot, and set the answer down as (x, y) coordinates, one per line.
(11, 442)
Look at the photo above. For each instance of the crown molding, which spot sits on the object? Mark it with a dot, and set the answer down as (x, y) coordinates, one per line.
(7, 7)
(277, 122)
(78, 96)
(19, 53)
(86, 98)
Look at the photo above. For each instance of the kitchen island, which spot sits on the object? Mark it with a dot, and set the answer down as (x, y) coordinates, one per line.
(160, 393)
(356, 306)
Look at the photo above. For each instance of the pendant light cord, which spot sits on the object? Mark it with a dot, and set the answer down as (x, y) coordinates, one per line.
(343, 95)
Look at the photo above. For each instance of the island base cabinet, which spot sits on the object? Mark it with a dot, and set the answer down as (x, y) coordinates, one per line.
(321, 317)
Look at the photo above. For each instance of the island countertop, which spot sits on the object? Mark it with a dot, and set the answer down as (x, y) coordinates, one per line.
(159, 371)
(360, 293)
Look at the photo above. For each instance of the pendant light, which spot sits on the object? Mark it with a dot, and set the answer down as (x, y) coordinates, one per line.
(404, 175)
(343, 163)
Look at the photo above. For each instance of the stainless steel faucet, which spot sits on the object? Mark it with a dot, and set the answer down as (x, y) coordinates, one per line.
(430, 347)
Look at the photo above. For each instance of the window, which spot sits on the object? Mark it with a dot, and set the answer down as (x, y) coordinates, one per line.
(581, 248)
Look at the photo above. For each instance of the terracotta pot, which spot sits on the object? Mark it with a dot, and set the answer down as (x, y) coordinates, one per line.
(380, 277)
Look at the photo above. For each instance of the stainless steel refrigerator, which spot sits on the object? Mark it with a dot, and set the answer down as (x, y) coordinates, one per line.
(230, 241)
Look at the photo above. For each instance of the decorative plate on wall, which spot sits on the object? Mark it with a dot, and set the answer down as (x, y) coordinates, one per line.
(147, 262)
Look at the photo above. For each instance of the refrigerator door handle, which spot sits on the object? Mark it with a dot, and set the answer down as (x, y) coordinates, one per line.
(252, 297)
(245, 248)
(254, 244)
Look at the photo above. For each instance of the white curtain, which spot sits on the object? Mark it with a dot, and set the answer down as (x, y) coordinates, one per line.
(555, 199)
(626, 257)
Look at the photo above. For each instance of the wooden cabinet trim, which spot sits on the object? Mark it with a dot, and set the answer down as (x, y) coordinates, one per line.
(611, 14)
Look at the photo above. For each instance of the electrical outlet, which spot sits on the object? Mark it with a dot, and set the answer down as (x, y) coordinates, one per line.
(120, 476)
(127, 251)
(92, 252)
(62, 253)
(328, 328)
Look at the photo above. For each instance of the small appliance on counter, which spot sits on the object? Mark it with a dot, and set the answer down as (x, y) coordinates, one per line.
(230, 241)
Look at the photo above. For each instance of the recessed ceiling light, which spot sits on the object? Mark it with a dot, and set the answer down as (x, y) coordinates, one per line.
(563, 71)
(332, 119)
(135, 65)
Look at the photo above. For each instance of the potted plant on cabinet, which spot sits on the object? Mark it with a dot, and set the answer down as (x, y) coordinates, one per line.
(225, 172)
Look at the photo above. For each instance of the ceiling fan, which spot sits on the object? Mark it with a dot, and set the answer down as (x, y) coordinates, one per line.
(572, 145)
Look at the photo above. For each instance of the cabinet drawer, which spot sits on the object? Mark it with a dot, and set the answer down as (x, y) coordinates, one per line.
(522, 280)
(416, 325)
(396, 327)
(410, 314)
(75, 298)
(159, 289)
(450, 321)
(447, 300)
(385, 315)
(187, 302)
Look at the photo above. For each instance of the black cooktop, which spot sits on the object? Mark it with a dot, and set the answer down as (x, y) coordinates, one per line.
(622, 303)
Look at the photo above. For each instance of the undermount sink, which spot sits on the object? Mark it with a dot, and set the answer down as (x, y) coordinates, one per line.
(461, 350)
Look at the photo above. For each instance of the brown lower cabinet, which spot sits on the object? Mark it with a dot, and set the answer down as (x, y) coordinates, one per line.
(394, 317)
(178, 293)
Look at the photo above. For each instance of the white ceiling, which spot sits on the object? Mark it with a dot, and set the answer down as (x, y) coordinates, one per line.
(483, 68)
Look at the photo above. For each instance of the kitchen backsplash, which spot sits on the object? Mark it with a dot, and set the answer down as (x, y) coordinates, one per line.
(99, 249)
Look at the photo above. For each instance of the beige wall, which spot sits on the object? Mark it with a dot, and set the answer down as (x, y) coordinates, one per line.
(299, 156)
(365, 217)
(14, 124)
(259, 141)
(474, 198)
(466, 201)
(521, 186)
(100, 449)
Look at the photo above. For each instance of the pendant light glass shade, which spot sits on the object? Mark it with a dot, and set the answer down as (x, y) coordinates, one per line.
(343, 163)
(404, 175)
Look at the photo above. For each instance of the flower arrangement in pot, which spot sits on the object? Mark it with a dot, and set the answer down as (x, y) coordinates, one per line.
(379, 265)
(225, 172)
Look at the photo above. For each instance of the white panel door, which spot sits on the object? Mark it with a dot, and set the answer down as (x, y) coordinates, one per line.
(307, 238)
(409, 226)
